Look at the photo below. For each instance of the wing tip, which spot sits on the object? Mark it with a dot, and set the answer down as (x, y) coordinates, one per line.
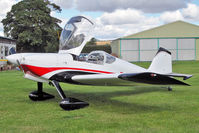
(187, 77)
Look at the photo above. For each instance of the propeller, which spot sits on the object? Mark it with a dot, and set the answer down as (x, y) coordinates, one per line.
(13, 58)
(19, 66)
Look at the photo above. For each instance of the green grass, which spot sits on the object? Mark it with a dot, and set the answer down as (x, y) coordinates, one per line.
(112, 109)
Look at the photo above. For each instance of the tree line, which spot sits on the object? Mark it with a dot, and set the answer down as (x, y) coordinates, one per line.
(30, 23)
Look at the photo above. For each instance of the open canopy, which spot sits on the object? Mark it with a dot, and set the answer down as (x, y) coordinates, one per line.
(75, 35)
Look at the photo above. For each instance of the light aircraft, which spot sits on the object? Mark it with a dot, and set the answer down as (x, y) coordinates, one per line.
(99, 68)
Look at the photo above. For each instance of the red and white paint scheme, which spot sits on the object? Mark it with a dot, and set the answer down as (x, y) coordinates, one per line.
(96, 68)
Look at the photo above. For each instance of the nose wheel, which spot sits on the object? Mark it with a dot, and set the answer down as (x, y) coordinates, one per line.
(69, 103)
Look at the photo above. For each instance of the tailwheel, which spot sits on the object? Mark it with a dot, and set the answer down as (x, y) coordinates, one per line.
(170, 88)
(39, 95)
(69, 103)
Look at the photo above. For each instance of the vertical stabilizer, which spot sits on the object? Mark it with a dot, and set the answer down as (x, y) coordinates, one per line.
(162, 62)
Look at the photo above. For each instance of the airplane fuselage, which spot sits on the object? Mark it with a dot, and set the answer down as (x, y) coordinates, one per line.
(42, 67)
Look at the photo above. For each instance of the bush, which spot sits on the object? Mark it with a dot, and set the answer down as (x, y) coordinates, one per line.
(89, 48)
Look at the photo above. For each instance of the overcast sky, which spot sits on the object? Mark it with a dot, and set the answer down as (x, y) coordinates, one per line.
(118, 18)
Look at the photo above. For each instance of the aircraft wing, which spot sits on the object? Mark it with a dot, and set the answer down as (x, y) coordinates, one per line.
(154, 78)
(130, 79)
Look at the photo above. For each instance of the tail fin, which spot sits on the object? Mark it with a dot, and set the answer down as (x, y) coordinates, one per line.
(162, 62)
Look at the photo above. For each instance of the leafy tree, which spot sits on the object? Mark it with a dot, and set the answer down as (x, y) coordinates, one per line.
(30, 23)
(92, 41)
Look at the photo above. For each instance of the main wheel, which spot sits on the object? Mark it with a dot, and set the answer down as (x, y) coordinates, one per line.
(72, 104)
(40, 96)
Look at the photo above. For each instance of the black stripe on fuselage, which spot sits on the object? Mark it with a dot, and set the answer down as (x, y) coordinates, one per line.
(66, 76)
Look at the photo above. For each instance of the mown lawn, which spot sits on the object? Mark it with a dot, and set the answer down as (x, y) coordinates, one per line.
(112, 109)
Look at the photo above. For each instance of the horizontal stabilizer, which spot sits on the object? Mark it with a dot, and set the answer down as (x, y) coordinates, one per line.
(151, 78)
(184, 76)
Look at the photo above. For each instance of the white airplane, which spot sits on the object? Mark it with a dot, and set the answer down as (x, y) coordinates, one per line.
(99, 68)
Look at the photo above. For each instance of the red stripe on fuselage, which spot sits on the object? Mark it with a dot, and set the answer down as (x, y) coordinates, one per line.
(39, 71)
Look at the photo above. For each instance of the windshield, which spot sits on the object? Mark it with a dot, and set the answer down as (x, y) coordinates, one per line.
(100, 57)
(110, 59)
(75, 32)
(96, 58)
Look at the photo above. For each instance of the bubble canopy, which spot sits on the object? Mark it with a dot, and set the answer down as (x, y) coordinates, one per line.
(75, 35)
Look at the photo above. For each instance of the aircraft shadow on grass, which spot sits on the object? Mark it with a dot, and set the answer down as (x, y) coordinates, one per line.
(103, 100)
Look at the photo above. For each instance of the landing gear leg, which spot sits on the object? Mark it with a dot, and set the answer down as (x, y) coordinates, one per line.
(39, 95)
(169, 88)
(68, 103)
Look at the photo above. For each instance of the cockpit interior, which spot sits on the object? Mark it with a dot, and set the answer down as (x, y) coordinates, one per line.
(96, 57)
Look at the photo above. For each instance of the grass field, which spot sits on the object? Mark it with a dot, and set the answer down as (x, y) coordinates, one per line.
(112, 109)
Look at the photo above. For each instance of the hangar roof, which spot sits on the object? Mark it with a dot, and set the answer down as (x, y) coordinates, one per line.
(171, 30)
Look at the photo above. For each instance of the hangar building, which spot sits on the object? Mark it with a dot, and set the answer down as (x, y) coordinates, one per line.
(181, 38)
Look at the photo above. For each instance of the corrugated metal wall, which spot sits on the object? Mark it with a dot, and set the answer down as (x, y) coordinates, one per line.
(197, 49)
(145, 49)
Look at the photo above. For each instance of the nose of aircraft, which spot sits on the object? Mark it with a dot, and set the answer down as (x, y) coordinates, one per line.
(13, 58)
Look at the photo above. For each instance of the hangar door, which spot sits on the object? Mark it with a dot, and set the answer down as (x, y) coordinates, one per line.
(145, 49)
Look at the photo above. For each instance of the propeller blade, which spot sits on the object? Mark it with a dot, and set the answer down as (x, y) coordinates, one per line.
(19, 66)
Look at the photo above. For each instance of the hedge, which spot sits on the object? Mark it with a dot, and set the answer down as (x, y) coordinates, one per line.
(89, 48)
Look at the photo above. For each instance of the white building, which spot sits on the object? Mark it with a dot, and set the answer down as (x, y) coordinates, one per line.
(5, 45)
